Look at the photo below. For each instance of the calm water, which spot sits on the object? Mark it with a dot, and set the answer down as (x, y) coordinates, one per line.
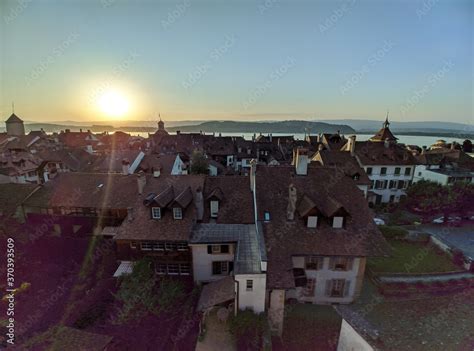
(405, 139)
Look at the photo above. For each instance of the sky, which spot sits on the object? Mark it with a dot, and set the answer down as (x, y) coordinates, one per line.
(106, 60)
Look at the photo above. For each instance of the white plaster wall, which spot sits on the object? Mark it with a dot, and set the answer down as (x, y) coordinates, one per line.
(325, 274)
(390, 175)
(202, 262)
(350, 340)
(426, 174)
(254, 299)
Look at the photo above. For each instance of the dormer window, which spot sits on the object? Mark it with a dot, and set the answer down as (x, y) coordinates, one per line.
(312, 221)
(177, 213)
(156, 212)
(337, 222)
(214, 208)
(356, 176)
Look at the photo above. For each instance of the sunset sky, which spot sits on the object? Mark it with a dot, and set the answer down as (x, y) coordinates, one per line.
(252, 60)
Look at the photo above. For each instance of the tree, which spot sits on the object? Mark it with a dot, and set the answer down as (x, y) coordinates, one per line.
(199, 163)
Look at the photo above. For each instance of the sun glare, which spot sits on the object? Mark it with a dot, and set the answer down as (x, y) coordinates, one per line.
(113, 104)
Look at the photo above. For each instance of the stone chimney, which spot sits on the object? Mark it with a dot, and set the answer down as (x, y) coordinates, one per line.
(199, 202)
(141, 181)
(253, 171)
(301, 162)
(130, 214)
(292, 198)
(352, 143)
(125, 166)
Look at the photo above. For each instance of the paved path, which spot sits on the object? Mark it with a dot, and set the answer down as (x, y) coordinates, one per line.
(425, 278)
(217, 336)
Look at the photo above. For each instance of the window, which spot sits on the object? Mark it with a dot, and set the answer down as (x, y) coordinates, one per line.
(220, 267)
(393, 184)
(407, 171)
(341, 263)
(312, 221)
(156, 212)
(337, 222)
(369, 170)
(146, 246)
(266, 216)
(314, 262)
(184, 268)
(383, 171)
(214, 208)
(310, 287)
(419, 174)
(249, 285)
(158, 246)
(397, 170)
(177, 213)
(161, 268)
(217, 249)
(392, 198)
(133, 244)
(170, 246)
(356, 176)
(173, 269)
(401, 184)
(182, 246)
(336, 287)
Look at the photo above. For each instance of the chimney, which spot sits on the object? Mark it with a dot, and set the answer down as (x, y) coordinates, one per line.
(178, 132)
(80, 130)
(271, 137)
(253, 171)
(453, 145)
(423, 149)
(141, 181)
(302, 161)
(125, 166)
(352, 143)
(292, 198)
(199, 204)
(129, 214)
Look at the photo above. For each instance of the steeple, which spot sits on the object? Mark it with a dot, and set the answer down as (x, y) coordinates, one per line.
(385, 133)
(161, 124)
(386, 123)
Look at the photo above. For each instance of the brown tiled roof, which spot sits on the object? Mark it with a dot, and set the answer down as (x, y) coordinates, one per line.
(236, 205)
(165, 197)
(13, 118)
(163, 163)
(359, 237)
(375, 153)
(143, 227)
(344, 162)
(87, 190)
(184, 198)
(12, 195)
(216, 193)
(445, 155)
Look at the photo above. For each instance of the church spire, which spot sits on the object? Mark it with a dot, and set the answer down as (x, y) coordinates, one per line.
(386, 123)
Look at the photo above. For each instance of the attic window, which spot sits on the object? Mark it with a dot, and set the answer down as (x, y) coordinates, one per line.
(156, 212)
(177, 213)
(266, 216)
(312, 221)
(214, 208)
(356, 176)
(337, 222)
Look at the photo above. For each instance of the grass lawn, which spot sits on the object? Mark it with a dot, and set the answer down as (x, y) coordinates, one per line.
(410, 257)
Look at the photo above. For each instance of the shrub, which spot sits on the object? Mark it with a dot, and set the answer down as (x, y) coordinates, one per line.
(393, 232)
(248, 328)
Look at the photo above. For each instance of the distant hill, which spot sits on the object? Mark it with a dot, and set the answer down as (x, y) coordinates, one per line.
(289, 127)
(365, 125)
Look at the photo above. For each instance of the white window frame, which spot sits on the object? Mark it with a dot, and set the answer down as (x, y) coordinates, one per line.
(249, 285)
(310, 287)
(177, 213)
(153, 213)
(170, 246)
(133, 244)
(158, 246)
(214, 207)
(184, 269)
(182, 246)
(161, 268)
(312, 222)
(176, 271)
(147, 244)
(338, 222)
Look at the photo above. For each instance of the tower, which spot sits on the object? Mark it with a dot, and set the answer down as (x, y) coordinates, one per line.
(15, 126)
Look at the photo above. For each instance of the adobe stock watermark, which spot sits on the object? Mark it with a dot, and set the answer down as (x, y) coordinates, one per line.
(266, 5)
(425, 8)
(430, 83)
(336, 16)
(372, 61)
(273, 77)
(173, 16)
(49, 60)
(16, 11)
(200, 71)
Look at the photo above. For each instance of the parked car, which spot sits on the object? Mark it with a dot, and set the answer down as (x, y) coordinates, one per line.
(453, 220)
(379, 221)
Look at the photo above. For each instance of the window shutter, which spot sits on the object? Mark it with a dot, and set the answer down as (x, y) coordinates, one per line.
(350, 262)
(328, 287)
(216, 267)
(224, 248)
(332, 263)
(231, 266)
(347, 285)
(209, 249)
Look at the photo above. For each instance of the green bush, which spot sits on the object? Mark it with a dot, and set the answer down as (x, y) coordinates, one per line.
(393, 232)
(248, 328)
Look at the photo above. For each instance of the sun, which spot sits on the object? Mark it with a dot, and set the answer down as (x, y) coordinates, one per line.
(113, 104)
